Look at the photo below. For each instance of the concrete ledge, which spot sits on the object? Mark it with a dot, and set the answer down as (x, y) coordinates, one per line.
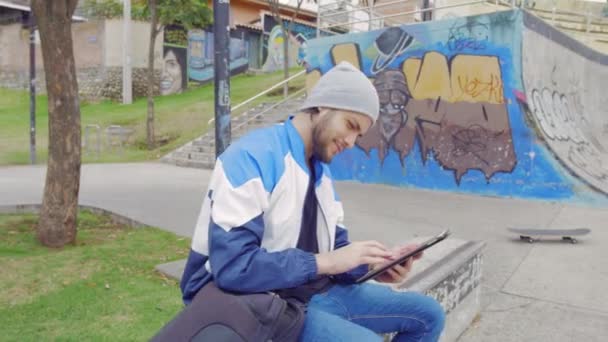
(449, 272)
(173, 269)
(35, 209)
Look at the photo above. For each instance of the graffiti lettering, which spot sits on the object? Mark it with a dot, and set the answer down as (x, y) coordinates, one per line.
(473, 35)
(555, 115)
(588, 160)
(561, 121)
(470, 140)
(458, 44)
(475, 87)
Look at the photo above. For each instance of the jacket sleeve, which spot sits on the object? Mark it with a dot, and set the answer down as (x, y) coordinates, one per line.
(348, 277)
(238, 262)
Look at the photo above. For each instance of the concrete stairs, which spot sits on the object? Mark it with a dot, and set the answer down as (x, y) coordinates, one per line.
(574, 22)
(593, 34)
(200, 153)
(569, 22)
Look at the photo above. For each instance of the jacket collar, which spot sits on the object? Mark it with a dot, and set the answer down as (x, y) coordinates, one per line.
(298, 151)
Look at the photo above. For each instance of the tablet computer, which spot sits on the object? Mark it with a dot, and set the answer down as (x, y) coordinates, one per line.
(430, 242)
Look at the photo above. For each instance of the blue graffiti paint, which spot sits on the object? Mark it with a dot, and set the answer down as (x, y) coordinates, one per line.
(200, 53)
(535, 175)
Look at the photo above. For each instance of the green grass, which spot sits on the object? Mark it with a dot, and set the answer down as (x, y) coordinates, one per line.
(102, 288)
(179, 119)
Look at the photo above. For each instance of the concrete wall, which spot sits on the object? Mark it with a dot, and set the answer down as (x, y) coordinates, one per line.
(453, 109)
(97, 53)
(87, 38)
(567, 100)
(14, 47)
(139, 48)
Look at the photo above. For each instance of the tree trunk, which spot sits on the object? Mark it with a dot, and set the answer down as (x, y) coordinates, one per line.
(151, 82)
(57, 224)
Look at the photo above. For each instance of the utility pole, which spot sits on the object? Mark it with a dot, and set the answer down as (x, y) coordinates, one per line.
(32, 26)
(127, 96)
(221, 44)
(426, 15)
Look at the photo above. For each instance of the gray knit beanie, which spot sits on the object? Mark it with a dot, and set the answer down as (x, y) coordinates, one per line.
(345, 87)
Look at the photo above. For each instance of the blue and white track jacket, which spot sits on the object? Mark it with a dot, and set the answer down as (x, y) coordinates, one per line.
(248, 228)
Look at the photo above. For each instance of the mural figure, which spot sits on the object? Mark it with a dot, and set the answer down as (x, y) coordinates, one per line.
(299, 34)
(275, 58)
(173, 76)
(390, 44)
(394, 95)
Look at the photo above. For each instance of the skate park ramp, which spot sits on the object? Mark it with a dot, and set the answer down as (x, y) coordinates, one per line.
(499, 104)
(566, 90)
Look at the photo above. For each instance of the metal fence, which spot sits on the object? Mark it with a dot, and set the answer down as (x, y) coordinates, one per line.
(342, 16)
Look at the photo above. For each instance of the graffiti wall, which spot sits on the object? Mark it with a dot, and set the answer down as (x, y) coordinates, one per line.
(174, 73)
(275, 51)
(452, 116)
(200, 52)
(299, 34)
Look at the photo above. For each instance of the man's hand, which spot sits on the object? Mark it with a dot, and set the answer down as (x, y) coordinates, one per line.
(351, 256)
(398, 273)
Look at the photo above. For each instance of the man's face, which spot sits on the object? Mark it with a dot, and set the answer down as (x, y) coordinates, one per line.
(337, 130)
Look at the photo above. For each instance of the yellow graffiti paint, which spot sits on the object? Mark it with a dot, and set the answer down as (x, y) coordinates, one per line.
(311, 79)
(346, 52)
(434, 79)
(477, 79)
(410, 70)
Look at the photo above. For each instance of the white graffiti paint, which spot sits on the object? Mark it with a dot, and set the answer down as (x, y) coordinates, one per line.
(563, 97)
(555, 114)
(589, 161)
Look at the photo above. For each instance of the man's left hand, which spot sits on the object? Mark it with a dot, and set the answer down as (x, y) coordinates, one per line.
(398, 273)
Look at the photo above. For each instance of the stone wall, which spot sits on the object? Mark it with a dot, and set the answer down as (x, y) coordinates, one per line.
(94, 84)
(20, 80)
(111, 88)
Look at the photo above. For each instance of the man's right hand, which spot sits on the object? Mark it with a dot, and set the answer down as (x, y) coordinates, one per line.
(350, 256)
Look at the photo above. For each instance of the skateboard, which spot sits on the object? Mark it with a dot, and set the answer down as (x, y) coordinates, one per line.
(532, 235)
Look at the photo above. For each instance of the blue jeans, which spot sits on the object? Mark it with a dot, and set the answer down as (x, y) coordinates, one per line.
(361, 312)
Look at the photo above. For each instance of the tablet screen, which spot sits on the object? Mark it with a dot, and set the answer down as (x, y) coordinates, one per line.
(430, 242)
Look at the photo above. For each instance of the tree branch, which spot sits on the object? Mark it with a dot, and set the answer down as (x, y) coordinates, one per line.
(276, 13)
(158, 29)
(295, 15)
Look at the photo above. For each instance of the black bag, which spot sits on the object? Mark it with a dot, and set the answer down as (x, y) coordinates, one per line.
(217, 315)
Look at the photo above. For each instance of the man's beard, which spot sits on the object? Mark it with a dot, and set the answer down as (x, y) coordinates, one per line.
(319, 146)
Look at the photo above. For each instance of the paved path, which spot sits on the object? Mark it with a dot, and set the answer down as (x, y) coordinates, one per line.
(542, 292)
